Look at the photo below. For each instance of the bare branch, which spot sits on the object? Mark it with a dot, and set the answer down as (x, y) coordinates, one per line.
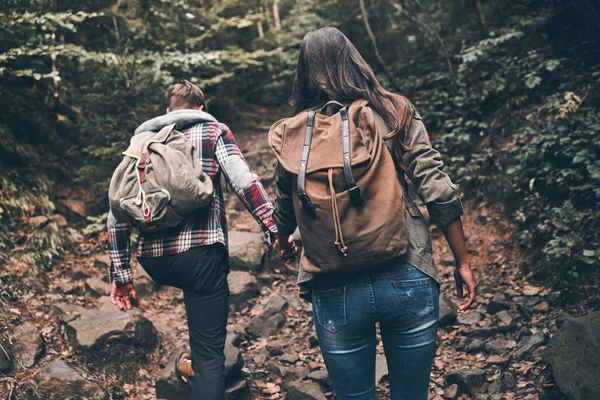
(382, 63)
(429, 28)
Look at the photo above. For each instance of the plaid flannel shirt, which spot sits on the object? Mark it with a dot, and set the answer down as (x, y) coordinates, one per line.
(219, 154)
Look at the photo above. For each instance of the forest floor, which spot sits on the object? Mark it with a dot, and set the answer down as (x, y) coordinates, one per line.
(498, 344)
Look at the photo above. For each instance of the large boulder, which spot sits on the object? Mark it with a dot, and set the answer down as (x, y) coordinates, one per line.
(242, 287)
(62, 380)
(246, 250)
(111, 337)
(271, 320)
(28, 345)
(574, 353)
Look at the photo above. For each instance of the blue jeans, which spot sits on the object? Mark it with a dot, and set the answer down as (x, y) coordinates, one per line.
(346, 309)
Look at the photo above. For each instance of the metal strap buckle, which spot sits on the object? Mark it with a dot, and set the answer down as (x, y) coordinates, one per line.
(356, 196)
(308, 206)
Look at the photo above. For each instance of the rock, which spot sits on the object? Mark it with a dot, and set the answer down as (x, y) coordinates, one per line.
(468, 380)
(38, 220)
(542, 307)
(234, 339)
(574, 353)
(71, 288)
(495, 306)
(292, 374)
(246, 250)
(98, 287)
(497, 346)
(271, 320)
(498, 360)
(452, 392)
(168, 385)
(78, 274)
(237, 391)
(505, 321)
(76, 207)
(66, 309)
(234, 362)
(28, 345)
(475, 346)
(289, 358)
(242, 286)
(321, 377)
(508, 380)
(275, 349)
(60, 220)
(305, 391)
(528, 345)
(102, 262)
(381, 369)
(109, 336)
(63, 380)
(275, 369)
(448, 311)
(470, 318)
(482, 332)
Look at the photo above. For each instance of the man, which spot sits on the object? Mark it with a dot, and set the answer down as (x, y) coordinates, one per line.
(193, 256)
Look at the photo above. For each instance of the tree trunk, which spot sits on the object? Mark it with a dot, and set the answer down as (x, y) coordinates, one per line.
(382, 63)
(482, 24)
(261, 32)
(276, 14)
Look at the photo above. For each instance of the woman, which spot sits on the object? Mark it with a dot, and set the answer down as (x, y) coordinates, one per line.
(401, 293)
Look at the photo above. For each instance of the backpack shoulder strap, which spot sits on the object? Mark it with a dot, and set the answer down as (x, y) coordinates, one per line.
(355, 193)
(302, 196)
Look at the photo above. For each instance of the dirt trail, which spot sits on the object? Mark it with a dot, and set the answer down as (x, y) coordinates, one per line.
(492, 338)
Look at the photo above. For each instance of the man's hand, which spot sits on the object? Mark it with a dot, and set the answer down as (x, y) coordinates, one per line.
(463, 275)
(121, 295)
(285, 246)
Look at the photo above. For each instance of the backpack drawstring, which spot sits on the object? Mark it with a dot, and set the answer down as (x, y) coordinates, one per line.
(141, 197)
(339, 235)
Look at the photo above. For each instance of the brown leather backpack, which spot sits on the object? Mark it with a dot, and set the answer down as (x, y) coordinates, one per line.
(350, 207)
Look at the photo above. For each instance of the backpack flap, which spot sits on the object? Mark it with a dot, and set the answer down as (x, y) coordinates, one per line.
(286, 139)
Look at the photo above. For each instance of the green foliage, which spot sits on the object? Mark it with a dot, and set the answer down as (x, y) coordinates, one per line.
(514, 113)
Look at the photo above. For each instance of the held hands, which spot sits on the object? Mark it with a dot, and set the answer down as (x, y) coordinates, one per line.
(285, 246)
(463, 275)
(121, 295)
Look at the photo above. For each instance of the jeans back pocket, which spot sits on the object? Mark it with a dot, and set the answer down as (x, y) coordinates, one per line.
(330, 308)
(416, 295)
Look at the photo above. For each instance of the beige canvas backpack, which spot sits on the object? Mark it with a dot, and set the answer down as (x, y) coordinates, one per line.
(350, 206)
(159, 181)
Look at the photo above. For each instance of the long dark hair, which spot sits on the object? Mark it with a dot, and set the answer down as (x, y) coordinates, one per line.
(331, 68)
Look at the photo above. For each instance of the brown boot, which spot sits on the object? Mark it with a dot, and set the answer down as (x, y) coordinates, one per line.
(183, 368)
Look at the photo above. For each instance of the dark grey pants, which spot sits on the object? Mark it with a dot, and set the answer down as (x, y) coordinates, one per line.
(202, 275)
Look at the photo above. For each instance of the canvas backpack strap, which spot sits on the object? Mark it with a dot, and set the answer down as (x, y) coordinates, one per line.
(355, 193)
(302, 196)
(337, 103)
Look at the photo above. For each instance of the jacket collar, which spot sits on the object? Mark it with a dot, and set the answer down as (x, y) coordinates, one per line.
(183, 119)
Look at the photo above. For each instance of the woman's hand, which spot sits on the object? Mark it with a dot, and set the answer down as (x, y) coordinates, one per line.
(463, 275)
(285, 246)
